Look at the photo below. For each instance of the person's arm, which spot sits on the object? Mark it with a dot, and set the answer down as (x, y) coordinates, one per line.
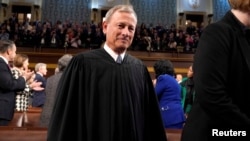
(7, 81)
(160, 85)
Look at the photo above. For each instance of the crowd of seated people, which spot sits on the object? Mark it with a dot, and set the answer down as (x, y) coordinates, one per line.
(89, 35)
(160, 38)
(59, 35)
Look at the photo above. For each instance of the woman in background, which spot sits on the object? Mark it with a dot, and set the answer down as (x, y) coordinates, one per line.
(20, 65)
(187, 91)
(168, 92)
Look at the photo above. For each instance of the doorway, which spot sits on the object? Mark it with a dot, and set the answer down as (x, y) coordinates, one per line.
(197, 18)
(23, 12)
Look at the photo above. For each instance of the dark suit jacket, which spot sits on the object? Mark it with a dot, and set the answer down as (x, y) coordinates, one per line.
(8, 88)
(39, 96)
(221, 64)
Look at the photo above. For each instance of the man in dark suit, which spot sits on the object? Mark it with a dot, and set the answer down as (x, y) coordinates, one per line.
(221, 64)
(9, 85)
(39, 96)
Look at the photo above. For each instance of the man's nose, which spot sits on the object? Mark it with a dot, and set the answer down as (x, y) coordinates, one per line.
(125, 31)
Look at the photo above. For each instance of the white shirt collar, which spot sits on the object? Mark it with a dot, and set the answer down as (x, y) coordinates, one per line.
(112, 53)
(5, 60)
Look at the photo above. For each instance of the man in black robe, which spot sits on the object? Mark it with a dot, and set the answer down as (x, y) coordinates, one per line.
(102, 100)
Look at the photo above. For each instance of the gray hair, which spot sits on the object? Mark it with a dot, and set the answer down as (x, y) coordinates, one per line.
(120, 8)
(39, 65)
(5, 45)
(64, 61)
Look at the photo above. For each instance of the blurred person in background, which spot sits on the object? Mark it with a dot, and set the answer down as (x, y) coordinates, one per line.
(50, 90)
(8, 84)
(20, 65)
(221, 64)
(38, 99)
(168, 92)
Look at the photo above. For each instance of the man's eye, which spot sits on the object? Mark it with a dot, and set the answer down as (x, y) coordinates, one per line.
(120, 26)
(131, 29)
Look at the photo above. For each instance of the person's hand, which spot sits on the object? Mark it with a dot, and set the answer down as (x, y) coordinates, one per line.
(27, 74)
(36, 86)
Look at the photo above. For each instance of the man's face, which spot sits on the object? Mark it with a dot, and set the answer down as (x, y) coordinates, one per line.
(43, 70)
(120, 31)
(190, 72)
(12, 53)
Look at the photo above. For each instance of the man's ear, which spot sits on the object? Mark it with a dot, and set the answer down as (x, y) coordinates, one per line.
(104, 26)
(8, 51)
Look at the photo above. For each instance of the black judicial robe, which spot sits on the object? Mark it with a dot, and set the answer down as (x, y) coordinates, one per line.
(101, 100)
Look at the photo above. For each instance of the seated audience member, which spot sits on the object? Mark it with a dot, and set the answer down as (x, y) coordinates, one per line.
(20, 65)
(4, 35)
(39, 96)
(172, 42)
(168, 92)
(50, 90)
(188, 43)
(187, 91)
